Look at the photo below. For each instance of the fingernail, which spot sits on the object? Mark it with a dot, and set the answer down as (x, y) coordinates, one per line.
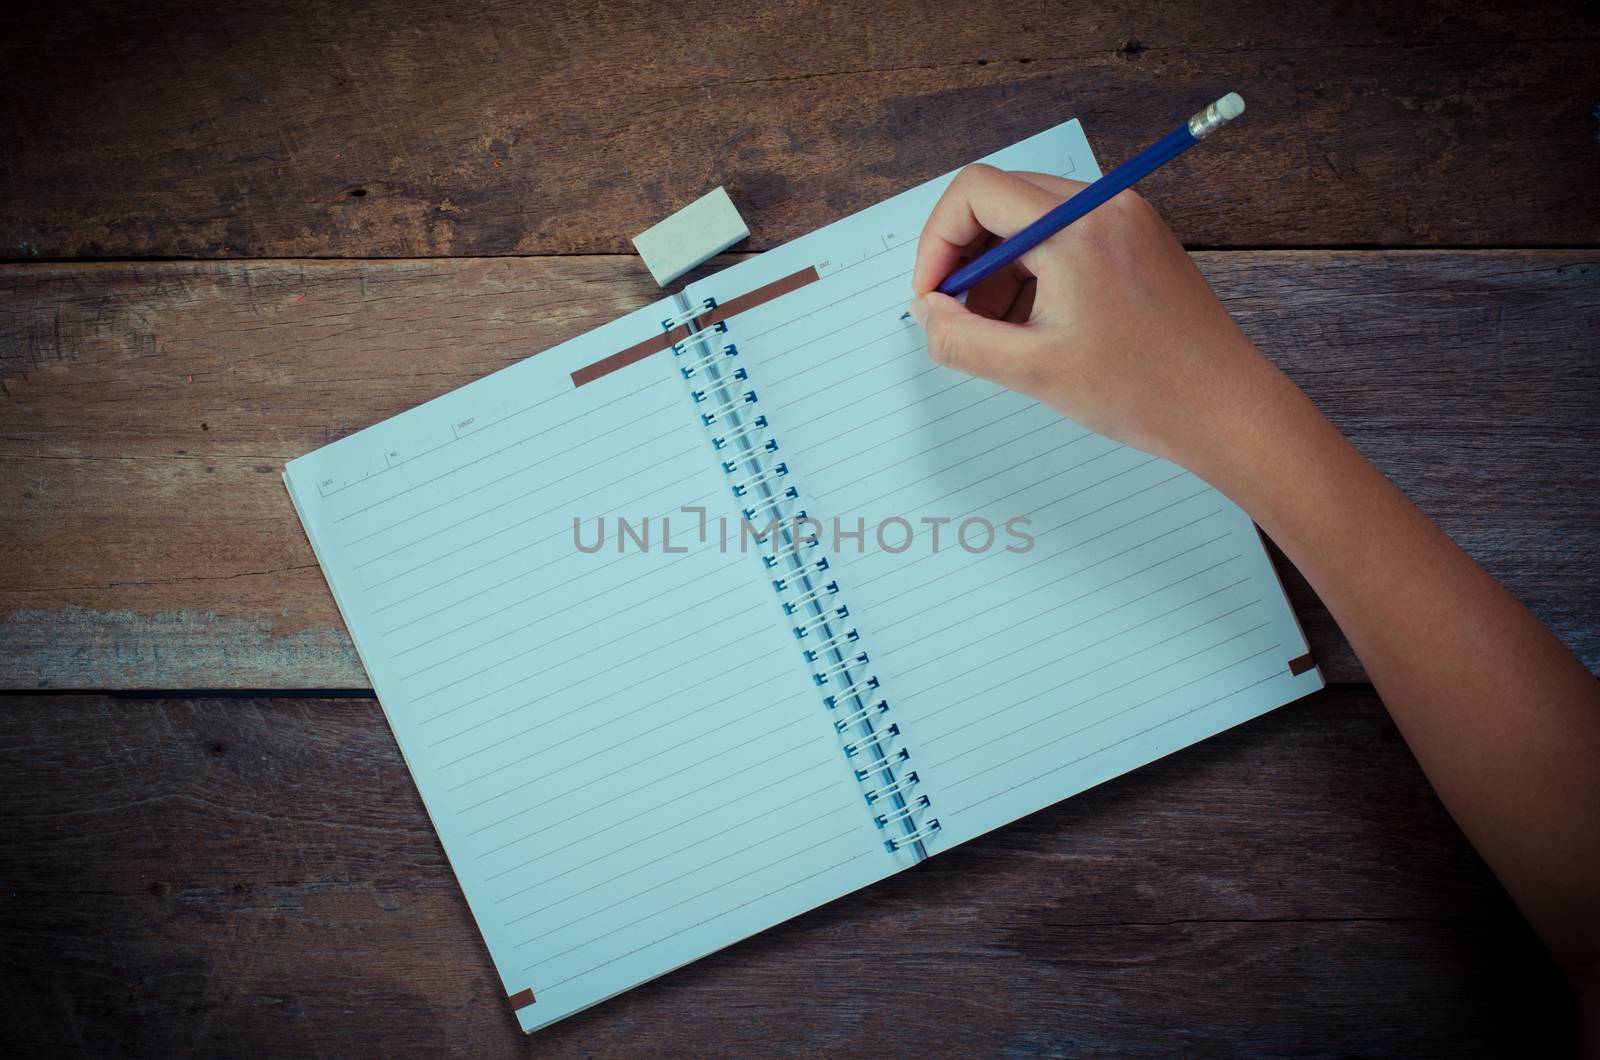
(919, 311)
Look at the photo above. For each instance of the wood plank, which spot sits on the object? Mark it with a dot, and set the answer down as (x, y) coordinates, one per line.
(428, 127)
(226, 877)
(148, 410)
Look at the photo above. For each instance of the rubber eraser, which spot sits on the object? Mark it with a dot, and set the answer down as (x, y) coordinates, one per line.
(1231, 105)
(705, 227)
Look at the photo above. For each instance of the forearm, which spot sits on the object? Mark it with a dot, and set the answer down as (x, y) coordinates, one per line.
(1111, 323)
(1504, 720)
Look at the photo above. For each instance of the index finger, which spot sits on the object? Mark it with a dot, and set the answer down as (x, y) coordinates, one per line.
(980, 199)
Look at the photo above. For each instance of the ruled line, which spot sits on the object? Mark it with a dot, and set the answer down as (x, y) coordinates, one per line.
(764, 764)
(783, 380)
(543, 460)
(868, 397)
(592, 729)
(673, 458)
(559, 558)
(770, 358)
(761, 814)
(854, 455)
(568, 687)
(630, 767)
(695, 736)
(1133, 736)
(480, 670)
(1079, 651)
(829, 305)
(989, 504)
(1052, 503)
(967, 645)
(891, 248)
(966, 380)
(474, 434)
(520, 523)
(633, 605)
(502, 742)
(686, 901)
(940, 445)
(662, 885)
(702, 923)
(777, 783)
(855, 378)
(1049, 557)
(975, 456)
(507, 555)
(657, 807)
(587, 573)
(1098, 695)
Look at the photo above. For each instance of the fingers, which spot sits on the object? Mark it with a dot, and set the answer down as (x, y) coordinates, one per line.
(1021, 310)
(996, 296)
(981, 199)
(1060, 187)
(969, 343)
(989, 337)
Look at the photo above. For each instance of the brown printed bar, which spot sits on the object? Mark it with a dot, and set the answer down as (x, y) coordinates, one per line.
(759, 296)
(522, 999)
(639, 351)
(1302, 664)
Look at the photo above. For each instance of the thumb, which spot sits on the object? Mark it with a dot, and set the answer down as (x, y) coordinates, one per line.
(961, 339)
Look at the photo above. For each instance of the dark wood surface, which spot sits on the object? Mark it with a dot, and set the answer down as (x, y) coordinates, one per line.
(153, 405)
(432, 127)
(257, 877)
(1405, 220)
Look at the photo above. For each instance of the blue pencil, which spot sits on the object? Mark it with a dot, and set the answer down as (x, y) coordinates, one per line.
(1124, 176)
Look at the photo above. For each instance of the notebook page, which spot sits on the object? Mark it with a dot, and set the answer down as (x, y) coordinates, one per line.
(1142, 615)
(623, 757)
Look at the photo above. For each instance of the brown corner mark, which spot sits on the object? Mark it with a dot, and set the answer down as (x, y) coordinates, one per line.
(522, 999)
(1300, 665)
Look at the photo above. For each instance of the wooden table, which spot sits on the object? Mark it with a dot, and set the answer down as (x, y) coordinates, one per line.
(235, 235)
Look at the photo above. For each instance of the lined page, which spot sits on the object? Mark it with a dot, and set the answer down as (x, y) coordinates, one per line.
(1143, 613)
(622, 755)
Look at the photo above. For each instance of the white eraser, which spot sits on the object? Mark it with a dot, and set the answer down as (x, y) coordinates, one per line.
(705, 227)
(1231, 105)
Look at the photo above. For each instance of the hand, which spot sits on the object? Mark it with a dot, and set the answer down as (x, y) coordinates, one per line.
(1108, 321)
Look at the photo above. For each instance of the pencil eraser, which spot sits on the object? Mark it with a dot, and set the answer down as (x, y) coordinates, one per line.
(705, 227)
(1231, 105)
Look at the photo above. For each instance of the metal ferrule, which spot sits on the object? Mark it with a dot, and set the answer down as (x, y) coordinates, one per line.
(1206, 122)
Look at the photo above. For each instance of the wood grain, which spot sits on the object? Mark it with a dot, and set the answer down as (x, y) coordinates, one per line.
(147, 410)
(258, 877)
(429, 127)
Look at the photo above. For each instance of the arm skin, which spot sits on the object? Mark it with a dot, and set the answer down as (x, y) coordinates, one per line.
(1504, 720)
(1110, 323)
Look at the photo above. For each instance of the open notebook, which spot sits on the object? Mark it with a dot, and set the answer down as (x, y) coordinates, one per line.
(661, 625)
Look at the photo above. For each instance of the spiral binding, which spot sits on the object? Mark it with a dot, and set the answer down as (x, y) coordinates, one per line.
(741, 435)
